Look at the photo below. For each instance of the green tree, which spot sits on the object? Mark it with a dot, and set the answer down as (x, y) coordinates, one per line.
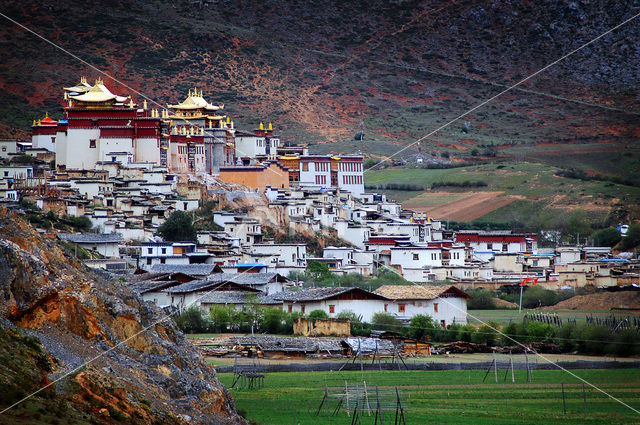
(191, 321)
(606, 237)
(577, 226)
(178, 228)
(487, 334)
(220, 317)
(385, 322)
(632, 238)
(317, 271)
(273, 319)
(466, 333)
(318, 314)
(481, 299)
(422, 326)
(358, 327)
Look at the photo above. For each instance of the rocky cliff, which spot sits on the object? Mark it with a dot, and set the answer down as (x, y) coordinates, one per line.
(57, 315)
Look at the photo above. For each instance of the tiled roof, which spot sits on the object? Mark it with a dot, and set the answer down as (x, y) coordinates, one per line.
(314, 294)
(190, 269)
(416, 292)
(91, 237)
(249, 280)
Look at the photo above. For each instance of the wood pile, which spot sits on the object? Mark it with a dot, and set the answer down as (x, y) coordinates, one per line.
(461, 347)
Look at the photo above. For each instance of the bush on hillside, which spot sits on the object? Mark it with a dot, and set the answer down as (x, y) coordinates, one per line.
(481, 299)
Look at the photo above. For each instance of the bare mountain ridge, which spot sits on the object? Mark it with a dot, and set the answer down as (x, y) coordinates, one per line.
(317, 69)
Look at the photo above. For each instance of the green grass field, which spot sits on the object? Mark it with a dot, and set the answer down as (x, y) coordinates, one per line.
(450, 397)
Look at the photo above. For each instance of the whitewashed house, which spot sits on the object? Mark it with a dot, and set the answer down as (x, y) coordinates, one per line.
(446, 305)
(105, 244)
(333, 301)
(288, 254)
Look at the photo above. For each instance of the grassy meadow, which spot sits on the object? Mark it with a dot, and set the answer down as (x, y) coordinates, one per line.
(450, 397)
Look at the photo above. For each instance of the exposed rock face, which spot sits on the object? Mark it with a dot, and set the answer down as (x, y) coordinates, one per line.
(79, 315)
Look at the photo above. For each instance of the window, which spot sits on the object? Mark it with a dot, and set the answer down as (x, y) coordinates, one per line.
(401, 308)
(302, 308)
(504, 247)
(162, 261)
(149, 250)
(385, 307)
(289, 308)
(164, 250)
(92, 143)
(489, 246)
(416, 257)
(148, 261)
(332, 308)
(443, 323)
(53, 140)
(435, 307)
(305, 166)
(4, 149)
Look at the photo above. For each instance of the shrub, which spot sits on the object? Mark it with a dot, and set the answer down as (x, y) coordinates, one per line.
(220, 317)
(606, 237)
(481, 299)
(486, 334)
(632, 238)
(422, 326)
(385, 322)
(466, 333)
(318, 314)
(273, 320)
(191, 321)
(178, 228)
(358, 327)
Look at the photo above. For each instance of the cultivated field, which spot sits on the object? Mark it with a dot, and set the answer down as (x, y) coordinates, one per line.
(512, 188)
(450, 397)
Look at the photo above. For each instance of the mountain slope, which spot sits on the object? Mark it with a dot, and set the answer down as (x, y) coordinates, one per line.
(318, 69)
(78, 316)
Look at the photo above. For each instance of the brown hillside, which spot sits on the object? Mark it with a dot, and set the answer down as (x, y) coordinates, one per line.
(600, 301)
(79, 316)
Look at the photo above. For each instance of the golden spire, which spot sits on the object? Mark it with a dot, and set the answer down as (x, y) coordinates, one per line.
(189, 92)
(130, 103)
(46, 114)
(261, 126)
(228, 119)
(144, 104)
(34, 122)
(83, 79)
(270, 127)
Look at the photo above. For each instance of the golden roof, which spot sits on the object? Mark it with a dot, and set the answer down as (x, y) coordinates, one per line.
(82, 86)
(415, 292)
(196, 101)
(98, 93)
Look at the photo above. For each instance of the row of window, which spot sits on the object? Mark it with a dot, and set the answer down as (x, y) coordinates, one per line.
(321, 179)
(352, 179)
(351, 166)
(332, 308)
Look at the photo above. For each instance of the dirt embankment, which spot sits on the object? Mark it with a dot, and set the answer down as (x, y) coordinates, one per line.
(600, 301)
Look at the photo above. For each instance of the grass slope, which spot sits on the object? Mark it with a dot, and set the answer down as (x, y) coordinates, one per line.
(531, 186)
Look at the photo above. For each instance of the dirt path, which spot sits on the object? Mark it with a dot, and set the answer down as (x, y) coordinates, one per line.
(469, 208)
